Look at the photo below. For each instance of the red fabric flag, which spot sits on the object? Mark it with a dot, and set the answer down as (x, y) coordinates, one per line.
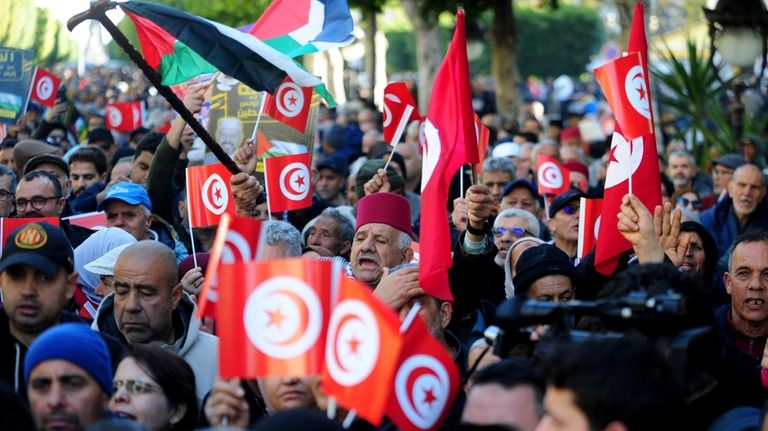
(552, 177)
(290, 104)
(124, 116)
(288, 182)
(96, 220)
(449, 143)
(426, 383)
(631, 162)
(361, 351)
(482, 135)
(623, 82)
(589, 225)
(399, 108)
(277, 317)
(8, 225)
(45, 87)
(208, 194)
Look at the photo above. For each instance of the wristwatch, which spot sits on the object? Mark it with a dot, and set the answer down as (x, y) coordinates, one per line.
(484, 231)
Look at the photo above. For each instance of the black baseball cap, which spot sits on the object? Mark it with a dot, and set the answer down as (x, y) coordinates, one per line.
(39, 245)
(564, 199)
(519, 182)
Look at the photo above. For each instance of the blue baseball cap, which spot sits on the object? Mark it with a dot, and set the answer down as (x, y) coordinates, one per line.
(132, 194)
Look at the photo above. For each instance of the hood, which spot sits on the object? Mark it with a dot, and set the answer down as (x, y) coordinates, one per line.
(186, 325)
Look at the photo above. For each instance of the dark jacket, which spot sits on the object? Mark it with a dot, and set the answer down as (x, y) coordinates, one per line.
(721, 221)
(75, 234)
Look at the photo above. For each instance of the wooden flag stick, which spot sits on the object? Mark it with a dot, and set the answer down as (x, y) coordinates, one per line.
(98, 13)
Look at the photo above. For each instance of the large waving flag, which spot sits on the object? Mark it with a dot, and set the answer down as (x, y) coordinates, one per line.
(298, 27)
(180, 46)
(632, 166)
(450, 142)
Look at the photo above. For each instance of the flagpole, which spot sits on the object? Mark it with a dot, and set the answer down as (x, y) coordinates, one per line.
(98, 13)
(399, 132)
(461, 182)
(349, 419)
(410, 317)
(29, 92)
(266, 187)
(331, 408)
(189, 222)
(258, 119)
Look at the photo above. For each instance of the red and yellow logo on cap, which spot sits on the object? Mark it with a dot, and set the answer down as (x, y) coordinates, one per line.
(31, 237)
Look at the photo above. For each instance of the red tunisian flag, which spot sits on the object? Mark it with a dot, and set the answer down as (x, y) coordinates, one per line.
(361, 351)
(276, 319)
(589, 225)
(482, 135)
(426, 383)
(7, 225)
(96, 220)
(623, 82)
(124, 116)
(208, 194)
(632, 167)
(290, 104)
(45, 87)
(398, 110)
(450, 142)
(288, 182)
(552, 177)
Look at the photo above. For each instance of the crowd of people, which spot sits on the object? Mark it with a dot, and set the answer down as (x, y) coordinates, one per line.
(99, 329)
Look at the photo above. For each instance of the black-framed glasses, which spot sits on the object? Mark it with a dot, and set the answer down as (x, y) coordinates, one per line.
(37, 202)
(514, 230)
(5, 194)
(135, 387)
(571, 209)
(685, 202)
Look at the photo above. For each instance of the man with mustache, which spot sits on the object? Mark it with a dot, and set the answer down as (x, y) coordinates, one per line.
(681, 169)
(331, 173)
(743, 209)
(564, 222)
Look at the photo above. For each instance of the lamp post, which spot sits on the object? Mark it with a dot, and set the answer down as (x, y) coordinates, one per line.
(738, 31)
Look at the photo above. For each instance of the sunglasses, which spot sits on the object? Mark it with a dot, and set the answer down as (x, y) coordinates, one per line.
(515, 231)
(135, 387)
(571, 209)
(685, 202)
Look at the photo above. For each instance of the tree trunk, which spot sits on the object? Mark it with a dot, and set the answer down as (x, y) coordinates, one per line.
(429, 51)
(370, 28)
(626, 10)
(504, 60)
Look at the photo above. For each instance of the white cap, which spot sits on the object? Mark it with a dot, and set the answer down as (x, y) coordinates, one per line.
(105, 265)
(506, 149)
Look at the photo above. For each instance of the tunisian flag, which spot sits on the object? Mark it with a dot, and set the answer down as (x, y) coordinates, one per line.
(624, 84)
(426, 383)
(361, 351)
(208, 194)
(450, 142)
(398, 110)
(124, 116)
(552, 177)
(589, 224)
(633, 167)
(45, 87)
(288, 182)
(290, 105)
(276, 319)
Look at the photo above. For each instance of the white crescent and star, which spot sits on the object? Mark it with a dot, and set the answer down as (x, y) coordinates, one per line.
(215, 195)
(294, 181)
(44, 88)
(289, 99)
(422, 386)
(637, 93)
(623, 160)
(353, 343)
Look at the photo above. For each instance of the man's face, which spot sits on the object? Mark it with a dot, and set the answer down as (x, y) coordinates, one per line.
(374, 247)
(507, 230)
(495, 181)
(351, 192)
(747, 190)
(6, 205)
(561, 412)
(519, 197)
(6, 158)
(329, 184)
(551, 288)
(721, 176)
(434, 313)
(140, 167)
(83, 175)
(565, 223)
(285, 393)
(131, 218)
(145, 297)
(693, 262)
(34, 300)
(39, 189)
(412, 160)
(493, 404)
(63, 396)
(57, 172)
(229, 134)
(680, 170)
(325, 233)
(747, 283)
(108, 148)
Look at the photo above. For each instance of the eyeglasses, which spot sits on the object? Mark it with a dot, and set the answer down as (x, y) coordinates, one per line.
(571, 209)
(515, 231)
(135, 387)
(685, 202)
(55, 140)
(4, 195)
(37, 202)
(721, 172)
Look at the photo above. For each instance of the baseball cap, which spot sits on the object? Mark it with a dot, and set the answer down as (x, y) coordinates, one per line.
(519, 182)
(45, 158)
(132, 194)
(39, 245)
(563, 199)
(730, 160)
(538, 262)
(334, 163)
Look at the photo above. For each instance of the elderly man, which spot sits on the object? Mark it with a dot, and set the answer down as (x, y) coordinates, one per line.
(68, 373)
(681, 169)
(148, 305)
(722, 171)
(331, 174)
(497, 172)
(742, 210)
(332, 231)
(564, 221)
(544, 273)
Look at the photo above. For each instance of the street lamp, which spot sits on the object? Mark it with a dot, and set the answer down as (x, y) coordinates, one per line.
(738, 31)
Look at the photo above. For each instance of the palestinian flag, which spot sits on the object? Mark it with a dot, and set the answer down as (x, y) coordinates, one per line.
(180, 46)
